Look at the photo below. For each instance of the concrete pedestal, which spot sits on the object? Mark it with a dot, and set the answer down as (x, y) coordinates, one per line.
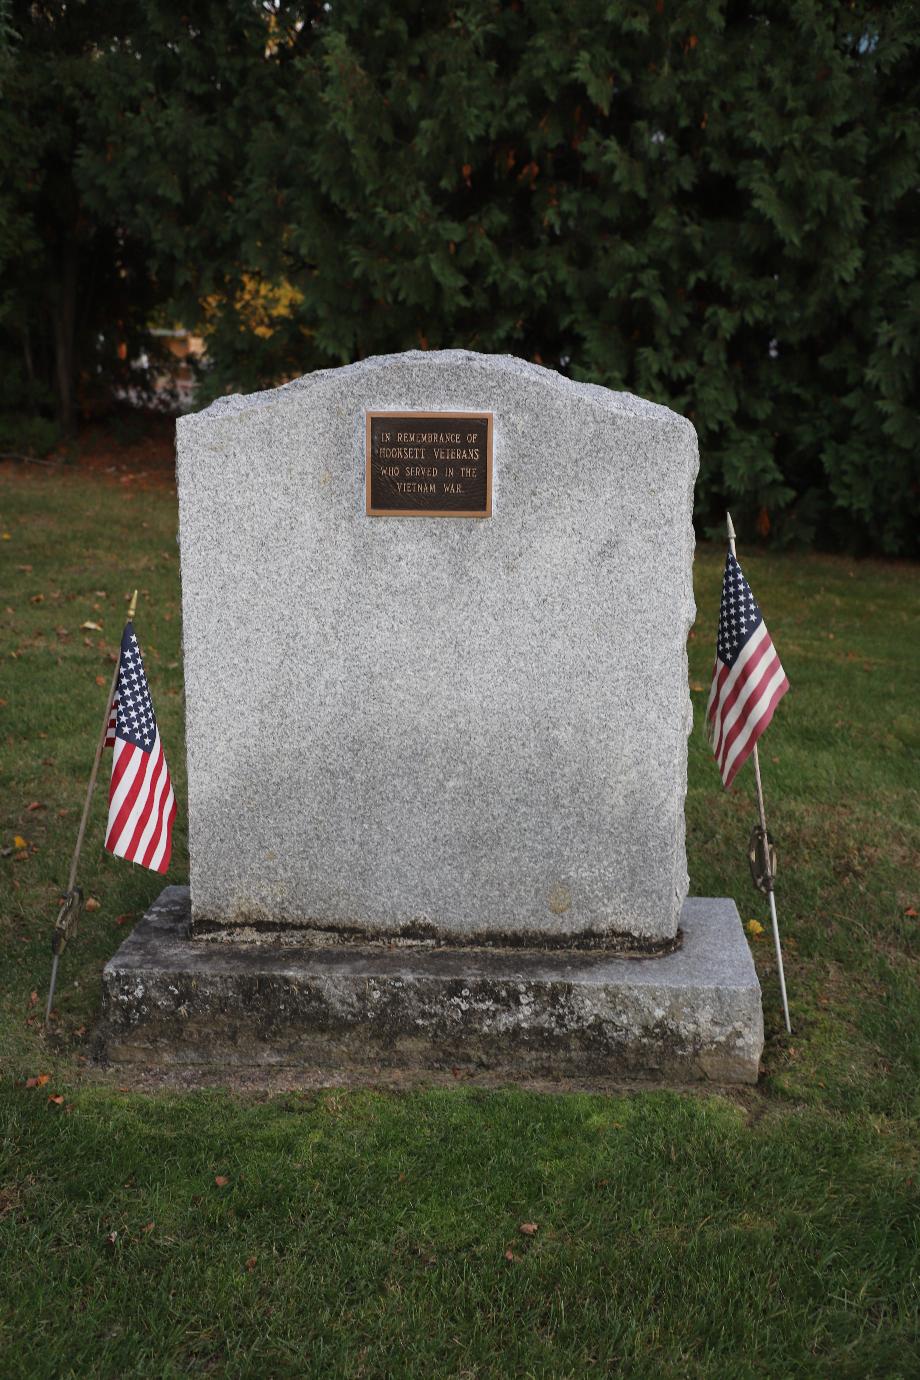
(693, 1015)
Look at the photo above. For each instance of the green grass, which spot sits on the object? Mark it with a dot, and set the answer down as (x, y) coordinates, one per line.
(772, 1233)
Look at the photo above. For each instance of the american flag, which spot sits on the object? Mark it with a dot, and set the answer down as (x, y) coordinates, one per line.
(142, 805)
(748, 680)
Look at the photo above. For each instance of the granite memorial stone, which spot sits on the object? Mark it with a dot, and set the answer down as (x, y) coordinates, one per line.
(435, 616)
(445, 729)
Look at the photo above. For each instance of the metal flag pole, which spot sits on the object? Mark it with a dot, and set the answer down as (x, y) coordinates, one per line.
(72, 904)
(762, 853)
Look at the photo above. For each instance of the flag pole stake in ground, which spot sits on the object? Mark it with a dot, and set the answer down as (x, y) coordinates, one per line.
(72, 904)
(768, 865)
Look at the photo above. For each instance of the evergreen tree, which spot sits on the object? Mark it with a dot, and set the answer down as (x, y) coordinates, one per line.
(713, 204)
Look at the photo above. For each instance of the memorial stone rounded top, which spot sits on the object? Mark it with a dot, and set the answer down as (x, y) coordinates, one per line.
(405, 724)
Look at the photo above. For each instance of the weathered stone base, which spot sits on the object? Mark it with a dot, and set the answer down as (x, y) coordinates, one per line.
(691, 1016)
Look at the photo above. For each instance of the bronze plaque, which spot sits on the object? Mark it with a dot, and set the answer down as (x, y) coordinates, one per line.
(429, 464)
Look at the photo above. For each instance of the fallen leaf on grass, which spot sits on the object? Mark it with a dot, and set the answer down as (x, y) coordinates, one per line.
(37, 599)
(529, 1228)
(221, 1180)
(100, 680)
(35, 805)
(148, 1226)
(509, 1255)
(89, 626)
(911, 912)
(754, 928)
(251, 1264)
(33, 998)
(111, 1238)
(39, 1081)
(57, 1099)
(123, 919)
(93, 904)
(19, 841)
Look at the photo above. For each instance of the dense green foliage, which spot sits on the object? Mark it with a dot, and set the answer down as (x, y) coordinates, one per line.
(363, 1234)
(714, 204)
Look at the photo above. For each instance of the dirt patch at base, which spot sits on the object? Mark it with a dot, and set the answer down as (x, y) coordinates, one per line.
(264, 1082)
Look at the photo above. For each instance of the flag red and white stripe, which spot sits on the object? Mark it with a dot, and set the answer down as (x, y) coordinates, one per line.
(113, 715)
(142, 805)
(748, 680)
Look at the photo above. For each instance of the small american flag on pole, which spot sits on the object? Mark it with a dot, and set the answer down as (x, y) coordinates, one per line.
(748, 680)
(142, 805)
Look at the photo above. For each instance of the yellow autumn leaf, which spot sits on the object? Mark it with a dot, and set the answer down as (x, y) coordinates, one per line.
(754, 928)
(19, 841)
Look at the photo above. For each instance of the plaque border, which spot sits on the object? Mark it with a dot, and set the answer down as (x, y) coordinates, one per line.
(426, 512)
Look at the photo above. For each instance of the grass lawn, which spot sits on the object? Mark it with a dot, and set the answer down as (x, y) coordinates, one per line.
(367, 1233)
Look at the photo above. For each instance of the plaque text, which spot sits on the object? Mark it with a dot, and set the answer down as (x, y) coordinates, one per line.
(429, 464)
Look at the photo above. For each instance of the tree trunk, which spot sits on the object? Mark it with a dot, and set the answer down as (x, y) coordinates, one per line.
(30, 366)
(64, 319)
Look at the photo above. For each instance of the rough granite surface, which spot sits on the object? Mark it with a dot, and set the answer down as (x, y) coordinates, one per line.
(692, 1015)
(443, 727)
